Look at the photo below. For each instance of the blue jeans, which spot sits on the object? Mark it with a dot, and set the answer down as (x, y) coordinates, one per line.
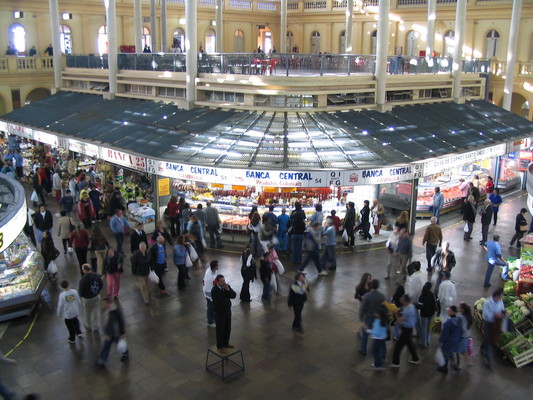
(315, 256)
(329, 255)
(380, 352)
(490, 268)
(282, 240)
(39, 236)
(266, 291)
(364, 336)
(210, 311)
(106, 347)
(436, 213)
(296, 247)
(425, 337)
(120, 242)
(486, 345)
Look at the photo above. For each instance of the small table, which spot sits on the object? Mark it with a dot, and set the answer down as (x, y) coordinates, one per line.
(225, 361)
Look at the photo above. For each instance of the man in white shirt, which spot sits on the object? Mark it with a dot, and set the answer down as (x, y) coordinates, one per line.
(447, 295)
(415, 282)
(207, 285)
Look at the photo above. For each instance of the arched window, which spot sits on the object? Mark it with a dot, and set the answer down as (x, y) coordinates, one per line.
(315, 42)
(374, 42)
(178, 40)
(491, 44)
(411, 44)
(102, 40)
(342, 43)
(210, 41)
(449, 44)
(290, 42)
(238, 41)
(17, 37)
(65, 39)
(146, 39)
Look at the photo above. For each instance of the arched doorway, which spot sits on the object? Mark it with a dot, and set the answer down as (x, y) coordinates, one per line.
(342, 43)
(210, 41)
(315, 42)
(178, 40)
(17, 37)
(146, 38)
(411, 44)
(264, 39)
(290, 42)
(36, 95)
(65, 39)
(520, 105)
(238, 41)
(102, 40)
(492, 41)
(374, 42)
(449, 44)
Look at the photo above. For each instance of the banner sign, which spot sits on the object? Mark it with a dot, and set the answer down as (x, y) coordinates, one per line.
(125, 159)
(19, 130)
(83, 148)
(45, 137)
(376, 176)
(193, 172)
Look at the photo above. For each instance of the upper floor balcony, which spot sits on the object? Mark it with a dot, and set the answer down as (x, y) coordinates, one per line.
(14, 64)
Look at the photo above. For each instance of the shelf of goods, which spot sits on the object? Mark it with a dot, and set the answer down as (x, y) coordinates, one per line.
(21, 278)
(525, 278)
(139, 209)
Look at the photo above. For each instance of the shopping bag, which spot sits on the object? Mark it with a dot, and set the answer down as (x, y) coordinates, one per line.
(274, 283)
(279, 266)
(193, 254)
(152, 276)
(52, 268)
(345, 235)
(439, 357)
(188, 262)
(470, 348)
(436, 325)
(466, 227)
(70, 250)
(204, 244)
(122, 345)
(34, 197)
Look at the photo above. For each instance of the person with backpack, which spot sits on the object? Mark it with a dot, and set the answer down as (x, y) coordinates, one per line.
(450, 339)
(248, 273)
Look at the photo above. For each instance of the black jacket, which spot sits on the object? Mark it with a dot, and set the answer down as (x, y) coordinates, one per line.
(349, 219)
(520, 220)
(222, 300)
(264, 271)
(486, 215)
(136, 240)
(297, 222)
(248, 273)
(43, 224)
(113, 265)
(114, 326)
(296, 299)
(90, 285)
(165, 234)
(365, 215)
(427, 305)
(469, 212)
(140, 264)
(475, 193)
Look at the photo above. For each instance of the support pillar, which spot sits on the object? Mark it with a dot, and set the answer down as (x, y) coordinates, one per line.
(111, 16)
(283, 27)
(191, 46)
(54, 24)
(137, 26)
(153, 26)
(381, 54)
(220, 27)
(511, 55)
(412, 207)
(349, 27)
(432, 16)
(457, 65)
(164, 39)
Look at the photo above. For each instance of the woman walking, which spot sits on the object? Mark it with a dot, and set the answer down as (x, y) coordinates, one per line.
(297, 298)
(86, 211)
(173, 214)
(180, 255)
(466, 346)
(428, 309)
(112, 270)
(114, 330)
(49, 253)
(248, 273)
(255, 228)
(64, 224)
(79, 239)
(160, 230)
(196, 234)
(363, 287)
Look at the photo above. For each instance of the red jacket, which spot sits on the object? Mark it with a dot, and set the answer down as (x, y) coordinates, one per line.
(172, 209)
(80, 239)
(81, 210)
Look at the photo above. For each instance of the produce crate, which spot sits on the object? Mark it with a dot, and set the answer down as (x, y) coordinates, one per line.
(525, 327)
(525, 357)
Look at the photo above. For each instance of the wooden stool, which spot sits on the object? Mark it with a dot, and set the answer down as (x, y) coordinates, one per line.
(225, 361)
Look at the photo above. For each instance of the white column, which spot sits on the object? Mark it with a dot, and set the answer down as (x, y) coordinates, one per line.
(191, 47)
(111, 16)
(137, 25)
(381, 53)
(349, 26)
(283, 27)
(511, 55)
(54, 24)
(457, 66)
(220, 26)
(432, 16)
(164, 39)
(153, 26)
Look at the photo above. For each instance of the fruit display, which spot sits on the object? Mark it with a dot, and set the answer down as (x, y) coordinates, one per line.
(517, 312)
(510, 288)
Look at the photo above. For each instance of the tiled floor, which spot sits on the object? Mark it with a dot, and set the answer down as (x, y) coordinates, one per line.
(169, 338)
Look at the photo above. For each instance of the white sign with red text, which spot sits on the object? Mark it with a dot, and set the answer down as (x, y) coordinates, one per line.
(83, 148)
(121, 158)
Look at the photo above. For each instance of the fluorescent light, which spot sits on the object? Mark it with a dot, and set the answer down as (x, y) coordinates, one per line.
(182, 21)
(66, 16)
(18, 14)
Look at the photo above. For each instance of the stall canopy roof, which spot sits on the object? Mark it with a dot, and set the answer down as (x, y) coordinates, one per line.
(275, 140)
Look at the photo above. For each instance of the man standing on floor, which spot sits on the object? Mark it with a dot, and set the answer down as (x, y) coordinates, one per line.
(367, 311)
(222, 293)
(331, 241)
(404, 251)
(438, 203)
(208, 283)
(407, 324)
(140, 267)
(469, 216)
(486, 218)
(432, 239)
(493, 310)
(118, 224)
(213, 225)
(313, 239)
(473, 191)
(43, 221)
(158, 257)
(89, 290)
(494, 257)
(283, 220)
(365, 221)
(137, 237)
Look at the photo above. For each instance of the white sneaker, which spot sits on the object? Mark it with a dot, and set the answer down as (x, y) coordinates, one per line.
(323, 273)
(213, 325)
(302, 271)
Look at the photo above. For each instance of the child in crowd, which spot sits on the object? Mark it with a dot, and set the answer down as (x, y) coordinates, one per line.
(379, 333)
(69, 308)
(265, 272)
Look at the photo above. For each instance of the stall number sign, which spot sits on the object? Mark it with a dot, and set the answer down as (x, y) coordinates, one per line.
(124, 159)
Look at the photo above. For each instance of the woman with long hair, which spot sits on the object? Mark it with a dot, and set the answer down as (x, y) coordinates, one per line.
(379, 332)
(363, 287)
(427, 304)
(466, 347)
(49, 252)
(402, 221)
(254, 228)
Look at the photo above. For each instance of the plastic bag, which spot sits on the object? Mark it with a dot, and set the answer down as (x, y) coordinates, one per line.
(470, 348)
(466, 227)
(152, 277)
(70, 250)
(122, 345)
(34, 197)
(188, 262)
(193, 254)
(345, 235)
(52, 268)
(204, 243)
(279, 266)
(436, 325)
(439, 357)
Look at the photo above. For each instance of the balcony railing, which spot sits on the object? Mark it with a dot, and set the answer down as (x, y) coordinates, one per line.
(278, 64)
(26, 64)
